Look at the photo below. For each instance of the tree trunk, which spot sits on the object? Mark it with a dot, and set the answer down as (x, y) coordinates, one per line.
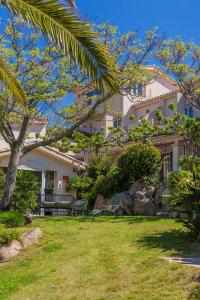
(10, 178)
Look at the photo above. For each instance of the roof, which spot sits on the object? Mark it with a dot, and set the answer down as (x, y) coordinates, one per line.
(154, 68)
(155, 99)
(63, 156)
(55, 154)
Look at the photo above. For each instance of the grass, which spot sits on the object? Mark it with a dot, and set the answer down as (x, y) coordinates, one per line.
(103, 258)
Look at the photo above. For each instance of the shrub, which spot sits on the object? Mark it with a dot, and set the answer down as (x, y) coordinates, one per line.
(140, 161)
(80, 185)
(109, 184)
(99, 165)
(25, 196)
(7, 236)
(188, 163)
(184, 189)
(90, 197)
(11, 219)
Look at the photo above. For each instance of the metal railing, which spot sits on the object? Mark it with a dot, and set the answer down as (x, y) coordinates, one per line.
(56, 198)
(55, 204)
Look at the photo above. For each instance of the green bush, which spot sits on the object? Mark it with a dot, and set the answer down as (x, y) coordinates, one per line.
(90, 197)
(187, 163)
(80, 185)
(7, 236)
(140, 161)
(11, 219)
(109, 184)
(99, 165)
(184, 189)
(26, 193)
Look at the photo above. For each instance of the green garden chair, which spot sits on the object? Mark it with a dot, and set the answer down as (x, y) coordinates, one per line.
(111, 208)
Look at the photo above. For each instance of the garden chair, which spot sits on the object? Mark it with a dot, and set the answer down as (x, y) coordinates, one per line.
(111, 208)
(79, 207)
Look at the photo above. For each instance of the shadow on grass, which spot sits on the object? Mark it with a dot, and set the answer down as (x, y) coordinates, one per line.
(178, 241)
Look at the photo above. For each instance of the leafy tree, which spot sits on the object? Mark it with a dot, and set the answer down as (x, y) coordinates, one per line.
(62, 25)
(182, 61)
(163, 126)
(46, 76)
(131, 54)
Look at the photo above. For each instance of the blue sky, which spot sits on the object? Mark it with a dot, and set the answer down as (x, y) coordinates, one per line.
(173, 17)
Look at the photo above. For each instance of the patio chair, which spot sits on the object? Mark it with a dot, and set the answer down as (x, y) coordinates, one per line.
(111, 208)
(79, 207)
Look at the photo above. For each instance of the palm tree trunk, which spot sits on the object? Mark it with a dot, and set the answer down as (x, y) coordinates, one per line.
(10, 178)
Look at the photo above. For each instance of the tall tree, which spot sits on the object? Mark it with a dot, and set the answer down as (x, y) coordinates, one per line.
(182, 61)
(46, 75)
(11, 82)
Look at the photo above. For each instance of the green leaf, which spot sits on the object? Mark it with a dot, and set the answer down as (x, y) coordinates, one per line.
(73, 36)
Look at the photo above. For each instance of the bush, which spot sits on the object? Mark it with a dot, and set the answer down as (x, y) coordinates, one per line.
(80, 185)
(184, 189)
(109, 184)
(12, 219)
(7, 236)
(140, 161)
(25, 196)
(99, 165)
(188, 163)
(90, 197)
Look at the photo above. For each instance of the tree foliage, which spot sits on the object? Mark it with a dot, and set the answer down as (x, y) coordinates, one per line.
(138, 162)
(80, 185)
(181, 60)
(75, 38)
(184, 187)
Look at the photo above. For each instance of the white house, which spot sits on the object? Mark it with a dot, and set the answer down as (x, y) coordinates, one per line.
(52, 167)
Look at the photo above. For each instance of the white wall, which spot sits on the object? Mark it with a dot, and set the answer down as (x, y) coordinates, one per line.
(39, 161)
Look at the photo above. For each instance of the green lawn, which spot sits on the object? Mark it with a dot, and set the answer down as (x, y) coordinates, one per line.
(103, 258)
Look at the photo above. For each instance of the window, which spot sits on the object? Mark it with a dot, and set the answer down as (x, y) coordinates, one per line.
(138, 90)
(189, 111)
(117, 123)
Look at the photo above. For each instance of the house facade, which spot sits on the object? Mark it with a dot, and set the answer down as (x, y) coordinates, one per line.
(53, 168)
(158, 94)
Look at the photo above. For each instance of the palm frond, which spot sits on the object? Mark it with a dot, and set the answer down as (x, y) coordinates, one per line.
(75, 37)
(7, 76)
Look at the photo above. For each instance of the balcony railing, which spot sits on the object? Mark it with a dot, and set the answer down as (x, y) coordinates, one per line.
(56, 201)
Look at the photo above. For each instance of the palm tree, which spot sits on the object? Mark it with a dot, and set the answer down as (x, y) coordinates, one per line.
(8, 77)
(62, 25)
